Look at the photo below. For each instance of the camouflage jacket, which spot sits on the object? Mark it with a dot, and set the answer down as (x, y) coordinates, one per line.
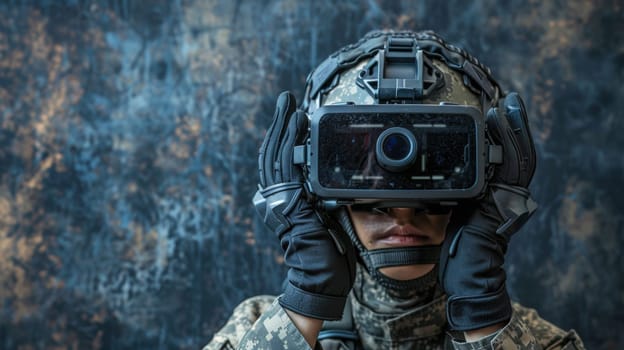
(376, 322)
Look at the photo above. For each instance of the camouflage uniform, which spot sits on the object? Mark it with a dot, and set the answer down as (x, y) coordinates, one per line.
(387, 319)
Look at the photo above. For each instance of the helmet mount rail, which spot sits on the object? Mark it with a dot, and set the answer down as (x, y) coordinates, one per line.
(384, 77)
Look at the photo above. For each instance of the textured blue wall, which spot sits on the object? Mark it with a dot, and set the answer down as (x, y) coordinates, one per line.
(128, 138)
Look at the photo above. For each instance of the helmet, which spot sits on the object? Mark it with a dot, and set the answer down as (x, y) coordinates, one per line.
(340, 77)
(404, 69)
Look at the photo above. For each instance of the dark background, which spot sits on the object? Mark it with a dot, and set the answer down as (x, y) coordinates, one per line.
(128, 140)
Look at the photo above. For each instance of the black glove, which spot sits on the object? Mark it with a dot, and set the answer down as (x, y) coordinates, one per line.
(472, 257)
(321, 262)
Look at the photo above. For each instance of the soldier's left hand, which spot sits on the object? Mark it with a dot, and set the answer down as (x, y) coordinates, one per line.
(472, 257)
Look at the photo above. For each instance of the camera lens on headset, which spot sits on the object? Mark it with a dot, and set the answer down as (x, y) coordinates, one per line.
(396, 149)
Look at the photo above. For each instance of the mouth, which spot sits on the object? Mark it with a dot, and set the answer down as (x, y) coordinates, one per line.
(401, 235)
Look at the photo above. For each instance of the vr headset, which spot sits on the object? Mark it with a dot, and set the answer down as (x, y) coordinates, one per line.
(396, 154)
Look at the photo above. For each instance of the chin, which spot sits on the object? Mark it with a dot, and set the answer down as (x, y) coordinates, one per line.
(408, 272)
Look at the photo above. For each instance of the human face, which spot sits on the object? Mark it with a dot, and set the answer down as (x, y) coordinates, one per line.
(400, 227)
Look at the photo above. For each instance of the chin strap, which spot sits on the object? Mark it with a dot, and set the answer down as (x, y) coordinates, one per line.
(376, 259)
(388, 257)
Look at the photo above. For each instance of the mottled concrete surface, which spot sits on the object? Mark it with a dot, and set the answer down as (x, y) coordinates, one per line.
(128, 137)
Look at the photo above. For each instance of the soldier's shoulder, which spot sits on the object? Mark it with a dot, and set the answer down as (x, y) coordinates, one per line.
(254, 307)
(242, 319)
(274, 330)
(547, 334)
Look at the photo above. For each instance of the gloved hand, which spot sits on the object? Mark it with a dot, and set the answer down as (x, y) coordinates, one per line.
(472, 257)
(321, 262)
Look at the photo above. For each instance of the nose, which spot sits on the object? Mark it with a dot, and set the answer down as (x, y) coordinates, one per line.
(402, 216)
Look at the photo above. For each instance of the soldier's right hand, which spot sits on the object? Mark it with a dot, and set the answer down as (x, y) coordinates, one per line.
(321, 264)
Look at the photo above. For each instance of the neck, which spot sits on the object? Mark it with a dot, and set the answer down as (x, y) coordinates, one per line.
(403, 318)
(382, 297)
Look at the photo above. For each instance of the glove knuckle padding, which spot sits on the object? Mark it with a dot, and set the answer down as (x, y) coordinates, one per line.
(519, 123)
(508, 126)
(275, 203)
(515, 206)
(271, 148)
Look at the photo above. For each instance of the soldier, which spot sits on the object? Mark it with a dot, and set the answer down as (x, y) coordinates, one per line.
(374, 264)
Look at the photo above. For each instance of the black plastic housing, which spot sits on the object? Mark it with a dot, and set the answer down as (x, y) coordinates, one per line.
(343, 155)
